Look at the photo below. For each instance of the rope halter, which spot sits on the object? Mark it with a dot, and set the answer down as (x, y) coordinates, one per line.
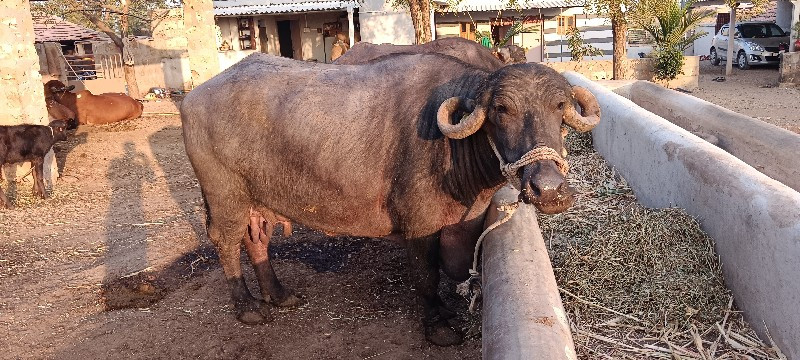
(471, 288)
(536, 154)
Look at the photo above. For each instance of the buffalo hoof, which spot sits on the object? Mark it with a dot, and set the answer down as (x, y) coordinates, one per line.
(442, 334)
(288, 300)
(254, 313)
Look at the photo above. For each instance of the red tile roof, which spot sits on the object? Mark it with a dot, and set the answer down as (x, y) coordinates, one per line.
(54, 28)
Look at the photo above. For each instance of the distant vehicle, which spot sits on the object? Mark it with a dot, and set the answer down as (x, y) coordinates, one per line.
(756, 43)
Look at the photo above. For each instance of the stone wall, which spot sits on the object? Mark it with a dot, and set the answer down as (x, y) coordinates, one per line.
(21, 91)
(790, 69)
(640, 69)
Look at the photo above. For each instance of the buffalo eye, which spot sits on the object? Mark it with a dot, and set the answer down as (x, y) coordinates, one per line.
(560, 106)
(500, 109)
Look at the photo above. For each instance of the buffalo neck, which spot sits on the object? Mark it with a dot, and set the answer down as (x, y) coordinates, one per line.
(474, 168)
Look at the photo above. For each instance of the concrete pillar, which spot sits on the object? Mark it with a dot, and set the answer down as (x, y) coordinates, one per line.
(351, 27)
(795, 19)
(21, 91)
(198, 19)
(433, 25)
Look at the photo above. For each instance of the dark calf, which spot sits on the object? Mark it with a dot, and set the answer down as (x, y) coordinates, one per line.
(20, 143)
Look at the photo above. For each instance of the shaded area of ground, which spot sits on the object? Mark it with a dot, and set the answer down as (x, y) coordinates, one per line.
(117, 264)
(753, 92)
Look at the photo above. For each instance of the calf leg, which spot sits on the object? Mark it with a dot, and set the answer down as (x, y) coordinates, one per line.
(37, 167)
(4, 203)
(257, 245)
(423, 256)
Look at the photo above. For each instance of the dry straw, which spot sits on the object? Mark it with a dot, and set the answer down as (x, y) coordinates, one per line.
(638, 282)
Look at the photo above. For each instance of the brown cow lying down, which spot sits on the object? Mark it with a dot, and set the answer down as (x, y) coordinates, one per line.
(95, 109)
(56, 111)
(465, 50)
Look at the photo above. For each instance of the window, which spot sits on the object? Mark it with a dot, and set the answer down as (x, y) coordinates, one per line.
(467, 31)
(564, 23)
(724, 31)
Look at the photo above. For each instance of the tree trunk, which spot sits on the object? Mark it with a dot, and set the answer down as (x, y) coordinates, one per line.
(130, 79)
(421, 19)
(731, 42)
(619, 29)
(127, 59)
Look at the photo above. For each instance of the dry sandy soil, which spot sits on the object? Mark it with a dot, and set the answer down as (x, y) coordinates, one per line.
(117, 264)
(753, 92)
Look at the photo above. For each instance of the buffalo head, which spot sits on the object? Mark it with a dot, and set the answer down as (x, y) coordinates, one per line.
(522, 107)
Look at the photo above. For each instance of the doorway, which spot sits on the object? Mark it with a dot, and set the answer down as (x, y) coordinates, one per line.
(285, 38)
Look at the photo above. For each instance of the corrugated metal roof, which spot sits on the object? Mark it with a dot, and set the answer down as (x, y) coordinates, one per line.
(495, 5)
(54, 28)
(273, 8)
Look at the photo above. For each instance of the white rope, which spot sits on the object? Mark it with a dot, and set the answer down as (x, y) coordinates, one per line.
(471, 288)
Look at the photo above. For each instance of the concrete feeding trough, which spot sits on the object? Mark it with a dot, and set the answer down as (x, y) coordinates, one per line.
(754, 219)
(523, 317)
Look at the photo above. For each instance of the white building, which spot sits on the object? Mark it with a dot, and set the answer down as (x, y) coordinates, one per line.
(305, 29)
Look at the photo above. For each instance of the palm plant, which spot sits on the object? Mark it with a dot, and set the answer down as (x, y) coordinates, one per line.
(668, 23)
(516, 28)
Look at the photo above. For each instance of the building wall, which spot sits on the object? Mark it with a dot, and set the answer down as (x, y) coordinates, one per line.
(641, 69)
(313, 46)
(380, 23)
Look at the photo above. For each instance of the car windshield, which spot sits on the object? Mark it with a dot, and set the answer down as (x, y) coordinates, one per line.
(760, 31)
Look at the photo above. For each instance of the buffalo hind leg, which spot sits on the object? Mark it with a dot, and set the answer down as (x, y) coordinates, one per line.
(225, 229)
(257, 245)
(423, 257)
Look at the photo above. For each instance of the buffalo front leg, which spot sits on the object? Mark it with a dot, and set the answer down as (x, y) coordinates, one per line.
(257, 245)
(423, 258)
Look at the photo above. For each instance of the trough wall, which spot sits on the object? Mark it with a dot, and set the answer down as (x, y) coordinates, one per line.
(754, 219)
(523, 317)
(766, 147)
(640, 69)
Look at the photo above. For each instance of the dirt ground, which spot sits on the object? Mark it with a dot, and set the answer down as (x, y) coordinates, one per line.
(117, 264)
(753, 92)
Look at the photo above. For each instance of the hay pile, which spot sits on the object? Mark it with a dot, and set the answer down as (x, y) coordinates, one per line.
(638, 282)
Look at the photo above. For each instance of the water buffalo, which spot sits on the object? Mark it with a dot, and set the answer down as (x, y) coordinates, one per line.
(465, 50)
(95, 109)
(394, 162)
(20, 143)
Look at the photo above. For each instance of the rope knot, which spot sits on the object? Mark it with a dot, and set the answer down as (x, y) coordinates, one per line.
(509, 170)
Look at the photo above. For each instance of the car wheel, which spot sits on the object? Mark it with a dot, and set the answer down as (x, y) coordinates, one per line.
(742, 61)
(714, 57)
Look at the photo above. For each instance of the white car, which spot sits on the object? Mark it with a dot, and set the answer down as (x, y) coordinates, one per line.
(755, 43)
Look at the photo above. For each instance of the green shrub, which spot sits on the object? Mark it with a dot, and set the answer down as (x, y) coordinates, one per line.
(668, 63)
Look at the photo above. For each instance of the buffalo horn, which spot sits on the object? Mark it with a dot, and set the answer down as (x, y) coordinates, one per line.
(464, 128)
(590, 111)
